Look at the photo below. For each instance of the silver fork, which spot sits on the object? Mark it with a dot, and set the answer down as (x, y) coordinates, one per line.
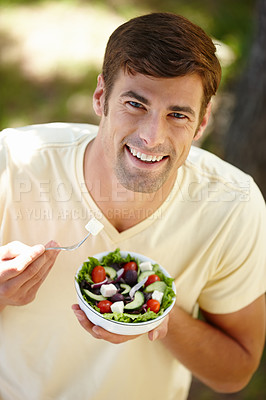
(93, 226)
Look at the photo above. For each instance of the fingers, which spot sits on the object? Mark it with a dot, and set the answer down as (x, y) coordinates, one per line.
(12, 250)
(83, 320)
(22, 275)
(27, 264)
(97, 332)
(16, 256)
(161, 331)
(101, 333)
(36, 273)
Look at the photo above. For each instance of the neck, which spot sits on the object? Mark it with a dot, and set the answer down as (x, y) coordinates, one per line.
(123, 208)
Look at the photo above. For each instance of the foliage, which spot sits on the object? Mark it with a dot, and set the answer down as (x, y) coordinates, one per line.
(25, 100)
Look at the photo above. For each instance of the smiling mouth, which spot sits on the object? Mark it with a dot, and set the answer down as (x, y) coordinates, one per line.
(145, 157)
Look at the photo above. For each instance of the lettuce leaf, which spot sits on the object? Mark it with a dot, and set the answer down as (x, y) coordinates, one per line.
(87, 267)
(115, 258)
(167, 298)
(132, 318)
(161, 275)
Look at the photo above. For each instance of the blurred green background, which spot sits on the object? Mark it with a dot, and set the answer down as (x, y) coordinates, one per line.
(51, 53)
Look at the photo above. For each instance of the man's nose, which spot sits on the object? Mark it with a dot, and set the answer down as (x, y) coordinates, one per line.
(153, 131)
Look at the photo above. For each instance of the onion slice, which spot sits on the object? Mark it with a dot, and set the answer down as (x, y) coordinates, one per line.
(99, 284)
(118, 275)
(137, 287)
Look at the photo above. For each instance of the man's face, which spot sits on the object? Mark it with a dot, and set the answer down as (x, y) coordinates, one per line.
(149, 128)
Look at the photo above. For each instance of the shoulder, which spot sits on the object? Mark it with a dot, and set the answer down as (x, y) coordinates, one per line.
(19, 145)
(50, 134)
(217, 179)
(207, 165)
(225, 192)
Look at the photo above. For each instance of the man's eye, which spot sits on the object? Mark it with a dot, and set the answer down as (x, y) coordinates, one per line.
(178, 115)
(135, 104)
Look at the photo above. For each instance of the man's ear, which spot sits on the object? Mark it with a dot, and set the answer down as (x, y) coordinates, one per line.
(203, 123)
(99, 96)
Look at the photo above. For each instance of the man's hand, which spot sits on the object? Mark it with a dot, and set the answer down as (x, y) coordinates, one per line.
(22, 271)
(99, 333)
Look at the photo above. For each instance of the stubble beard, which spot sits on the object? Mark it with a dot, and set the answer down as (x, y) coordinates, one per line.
(138, 181)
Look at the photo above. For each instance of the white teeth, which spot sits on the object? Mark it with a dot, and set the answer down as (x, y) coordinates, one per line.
(145, 157)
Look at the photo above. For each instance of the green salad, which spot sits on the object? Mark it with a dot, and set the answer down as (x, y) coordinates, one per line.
(125, 289)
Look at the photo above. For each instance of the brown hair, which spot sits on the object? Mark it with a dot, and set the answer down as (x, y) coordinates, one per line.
(162, 45)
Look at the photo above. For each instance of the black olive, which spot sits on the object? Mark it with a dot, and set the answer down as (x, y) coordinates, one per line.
(116, 266)
(131, 277)
(117, 297)
(84, 285)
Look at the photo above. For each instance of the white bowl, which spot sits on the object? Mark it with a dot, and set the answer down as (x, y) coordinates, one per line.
(122, 328)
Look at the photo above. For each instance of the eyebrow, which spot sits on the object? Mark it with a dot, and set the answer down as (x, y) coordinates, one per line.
(185, 109)
(136, 96)
(176, 108)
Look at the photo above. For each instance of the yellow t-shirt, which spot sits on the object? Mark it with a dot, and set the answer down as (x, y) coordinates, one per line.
(209, 234)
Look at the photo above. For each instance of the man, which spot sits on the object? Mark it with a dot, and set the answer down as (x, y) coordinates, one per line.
(199, 217)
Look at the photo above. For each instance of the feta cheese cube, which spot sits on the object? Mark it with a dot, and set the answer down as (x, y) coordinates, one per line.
(108, 290)
(145, 266)
(94, 226)
(156, 295)
(118, 307)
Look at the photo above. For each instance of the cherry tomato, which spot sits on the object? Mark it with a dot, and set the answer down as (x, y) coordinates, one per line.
(151, 279)
(131, 265)
(98, 274)
(153, 305)
(105, 306)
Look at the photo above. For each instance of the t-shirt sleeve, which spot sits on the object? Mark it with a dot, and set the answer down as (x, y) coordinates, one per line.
(240, 276)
